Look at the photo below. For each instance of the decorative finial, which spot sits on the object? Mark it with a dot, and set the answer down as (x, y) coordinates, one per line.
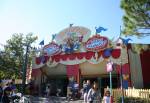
(70, 25)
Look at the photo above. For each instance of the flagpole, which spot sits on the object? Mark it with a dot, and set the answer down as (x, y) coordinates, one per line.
(121, 77)
(120, 31)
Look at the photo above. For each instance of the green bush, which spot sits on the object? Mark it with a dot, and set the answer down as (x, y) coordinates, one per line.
(133, 100)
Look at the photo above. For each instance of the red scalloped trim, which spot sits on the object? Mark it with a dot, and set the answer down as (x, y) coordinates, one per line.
(88, 55)
(116, 53)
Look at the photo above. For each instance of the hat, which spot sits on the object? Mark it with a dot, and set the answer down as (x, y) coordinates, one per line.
(7, 89)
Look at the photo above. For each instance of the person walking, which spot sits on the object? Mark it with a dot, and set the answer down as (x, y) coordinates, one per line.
(86, 88)
(75, 89)
(48, 90)
(70, 90)
(82, 91)
(93, 94)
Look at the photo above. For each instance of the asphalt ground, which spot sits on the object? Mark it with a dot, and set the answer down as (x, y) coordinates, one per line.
(53, 99)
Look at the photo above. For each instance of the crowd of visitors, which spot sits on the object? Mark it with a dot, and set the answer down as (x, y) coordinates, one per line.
(7, 90)
(89, 92)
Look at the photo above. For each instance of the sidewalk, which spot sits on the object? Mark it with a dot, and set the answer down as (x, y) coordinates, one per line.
(52, 99)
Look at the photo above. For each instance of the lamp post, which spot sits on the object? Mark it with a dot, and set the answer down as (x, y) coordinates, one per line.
(24, 69)
(111, 97)
(109, 69)
(121, 81)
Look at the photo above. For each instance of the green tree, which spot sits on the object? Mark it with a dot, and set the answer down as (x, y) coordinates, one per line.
(139, 48)
(137, 17)
(13, 55)
(136, 20)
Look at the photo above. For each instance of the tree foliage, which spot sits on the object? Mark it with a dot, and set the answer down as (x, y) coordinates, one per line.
(139, 48)
(137, 17)
(13, 55)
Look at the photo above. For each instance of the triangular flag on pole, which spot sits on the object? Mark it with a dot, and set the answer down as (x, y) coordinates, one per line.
(42, 42)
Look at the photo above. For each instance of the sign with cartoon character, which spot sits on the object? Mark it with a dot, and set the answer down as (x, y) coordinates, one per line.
(51, 49)
(71, 38)
(96, 43)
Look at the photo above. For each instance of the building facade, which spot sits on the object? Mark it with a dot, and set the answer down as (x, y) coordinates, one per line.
(76, 54)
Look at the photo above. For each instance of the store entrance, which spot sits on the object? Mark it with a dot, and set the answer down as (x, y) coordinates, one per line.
(58, 83)
(105, 82)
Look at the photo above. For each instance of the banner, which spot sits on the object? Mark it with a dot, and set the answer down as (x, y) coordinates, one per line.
(72, 70)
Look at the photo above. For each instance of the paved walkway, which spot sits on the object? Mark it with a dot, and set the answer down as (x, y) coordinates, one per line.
(53, 99)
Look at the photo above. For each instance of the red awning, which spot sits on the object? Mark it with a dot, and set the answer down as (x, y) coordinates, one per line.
(88, 55)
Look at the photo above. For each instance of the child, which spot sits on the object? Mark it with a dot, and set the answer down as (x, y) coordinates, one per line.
(106, 98)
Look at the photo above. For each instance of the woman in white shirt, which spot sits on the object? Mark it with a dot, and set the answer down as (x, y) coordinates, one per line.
(93, 94)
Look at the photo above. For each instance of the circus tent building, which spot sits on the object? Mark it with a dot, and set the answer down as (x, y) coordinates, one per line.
(139, 66)
(76, 54)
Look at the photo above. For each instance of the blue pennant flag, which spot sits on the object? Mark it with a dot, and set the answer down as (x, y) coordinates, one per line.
(100, 29)
(125, 41)
(42, 42)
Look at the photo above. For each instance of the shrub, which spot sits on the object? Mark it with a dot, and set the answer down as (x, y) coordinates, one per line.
(133, 100)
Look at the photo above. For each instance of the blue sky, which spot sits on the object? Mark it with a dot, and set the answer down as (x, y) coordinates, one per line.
(46, 17)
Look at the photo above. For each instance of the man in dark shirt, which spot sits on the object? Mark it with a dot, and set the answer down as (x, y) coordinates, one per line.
(86, 89)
